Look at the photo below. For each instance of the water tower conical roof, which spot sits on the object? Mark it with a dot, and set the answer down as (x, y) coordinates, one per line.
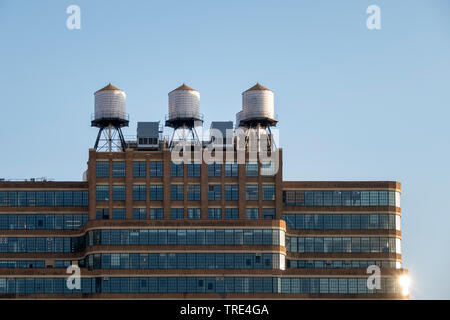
(183, 87)
(108, 87)
(257, 86)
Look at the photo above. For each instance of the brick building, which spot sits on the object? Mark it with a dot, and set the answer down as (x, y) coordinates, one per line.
(141, 226)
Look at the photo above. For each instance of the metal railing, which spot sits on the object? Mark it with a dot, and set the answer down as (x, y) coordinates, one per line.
(111, 115)
(40, 179)
(184, 116)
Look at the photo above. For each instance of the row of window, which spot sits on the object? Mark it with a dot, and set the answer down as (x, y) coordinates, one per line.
(177, 192)
(42, 221)
(340, 264)
(336, 285)
(143, 237)
(44, 198)
(28, 264)
(177, 170)
(119, 169)
(140, 169)
(140, 192)
(340, 198)
(290, 197)
(181, 261)
(197, 285)
(186, 237)
(178, 213)
(198, 261)
(349, 245)
(41, 244)
(32, 264)
(342, 221)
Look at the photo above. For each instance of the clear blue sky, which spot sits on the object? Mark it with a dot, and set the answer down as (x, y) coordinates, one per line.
(353, 104)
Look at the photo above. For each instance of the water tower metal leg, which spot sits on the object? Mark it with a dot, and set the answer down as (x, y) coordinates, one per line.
(109, 138)
(98, 138)
(122, 139)
(271, 139)
(195, 137)
(171, 140)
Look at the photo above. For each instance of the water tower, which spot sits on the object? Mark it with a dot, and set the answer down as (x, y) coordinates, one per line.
(110, 116)
(184, 115)
(257, 114)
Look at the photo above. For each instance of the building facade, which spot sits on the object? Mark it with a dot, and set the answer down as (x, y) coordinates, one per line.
(144, 227)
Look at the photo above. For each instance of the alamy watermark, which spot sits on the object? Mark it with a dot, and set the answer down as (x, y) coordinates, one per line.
(242, 145)
(373, 21)
(374, 280)
(74, 280)
(73, 21)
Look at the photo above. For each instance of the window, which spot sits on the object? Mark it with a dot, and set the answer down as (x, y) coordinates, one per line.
(176, 170)
(214, 213)
(365, 198)
(177, 192)
(102, 214)
(268, 192)
(268, 214)
(156, 192)
(309, 198)
(356, 198)
(139, 214)
(139, 169)
(193, 192)
(118, 169)
(391, 198)
(231, 213)
(139, 193)
(215, 170)
(193, 169)
(156, 213)
(156, 169)
(231, 169)
(232, 192)
(251, 169)
(373, 198)
(251, 213)
(118, 214)
(194, 213)
(102, 169)
(177, 213)
(119, 193)
(102, 193)
(251, 192)
(214, 192)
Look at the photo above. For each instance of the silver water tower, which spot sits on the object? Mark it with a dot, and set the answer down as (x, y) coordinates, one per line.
(257, 114)
(184, 115)
(110, 116)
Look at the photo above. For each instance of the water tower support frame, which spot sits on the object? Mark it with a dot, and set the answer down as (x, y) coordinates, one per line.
(111, 142)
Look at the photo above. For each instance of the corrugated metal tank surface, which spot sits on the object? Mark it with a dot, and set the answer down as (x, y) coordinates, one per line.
(184, 104)
(257, 104)
(110, 104)
(239, 117)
